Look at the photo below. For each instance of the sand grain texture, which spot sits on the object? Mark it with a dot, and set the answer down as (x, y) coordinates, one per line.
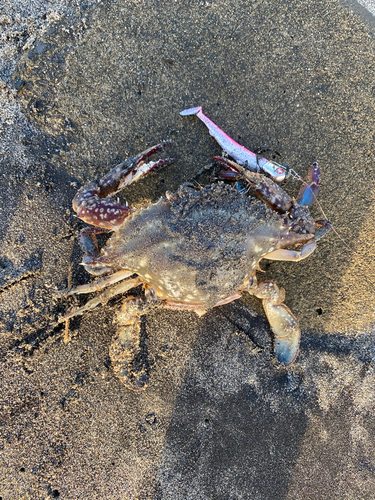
(84, 85)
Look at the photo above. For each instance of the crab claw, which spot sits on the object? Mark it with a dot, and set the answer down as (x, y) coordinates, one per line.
(93, 203)
(308, 193)
(286, 330)
(264, 187)
(100, 212)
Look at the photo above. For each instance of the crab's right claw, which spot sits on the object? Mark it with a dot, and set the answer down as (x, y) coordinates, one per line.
(309, 192)
(286, 330)
(281, 319)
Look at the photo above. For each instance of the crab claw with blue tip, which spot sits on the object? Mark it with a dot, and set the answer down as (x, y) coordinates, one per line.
(308, 193)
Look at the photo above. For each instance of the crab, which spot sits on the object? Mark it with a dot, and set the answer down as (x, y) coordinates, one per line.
(195, 249)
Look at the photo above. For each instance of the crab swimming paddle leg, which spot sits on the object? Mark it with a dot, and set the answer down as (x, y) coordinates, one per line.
(284, 324)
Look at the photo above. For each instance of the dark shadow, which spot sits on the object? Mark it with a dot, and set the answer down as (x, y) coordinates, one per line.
(245, 444)
(245, 447)
(225, 445)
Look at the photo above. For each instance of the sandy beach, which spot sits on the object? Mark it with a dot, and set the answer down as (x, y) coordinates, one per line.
(84, 85)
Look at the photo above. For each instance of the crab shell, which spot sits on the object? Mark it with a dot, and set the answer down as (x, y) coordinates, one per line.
(195, 249)
(199, 248)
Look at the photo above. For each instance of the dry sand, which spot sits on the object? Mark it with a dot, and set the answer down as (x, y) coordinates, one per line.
(85, 84)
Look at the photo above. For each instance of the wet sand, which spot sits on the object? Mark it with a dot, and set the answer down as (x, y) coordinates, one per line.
(83, 86)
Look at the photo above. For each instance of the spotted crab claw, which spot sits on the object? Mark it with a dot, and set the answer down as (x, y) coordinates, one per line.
(93, 203)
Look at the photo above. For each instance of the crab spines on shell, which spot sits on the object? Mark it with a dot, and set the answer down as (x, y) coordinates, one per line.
(93, 203)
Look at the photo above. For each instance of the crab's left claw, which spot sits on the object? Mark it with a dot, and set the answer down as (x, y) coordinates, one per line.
(264, 187)
(93, 203)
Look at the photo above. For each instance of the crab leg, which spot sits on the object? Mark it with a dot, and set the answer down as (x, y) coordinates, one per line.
(88, 242)
(126, 349)
(242, 155)
(307, 248)
(263, 186)
(292, 255)
(103, 298)
(281, 319)
(99, 284)
(93, 204)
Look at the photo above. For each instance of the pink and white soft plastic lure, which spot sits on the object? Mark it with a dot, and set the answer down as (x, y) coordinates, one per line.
(239, 153)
